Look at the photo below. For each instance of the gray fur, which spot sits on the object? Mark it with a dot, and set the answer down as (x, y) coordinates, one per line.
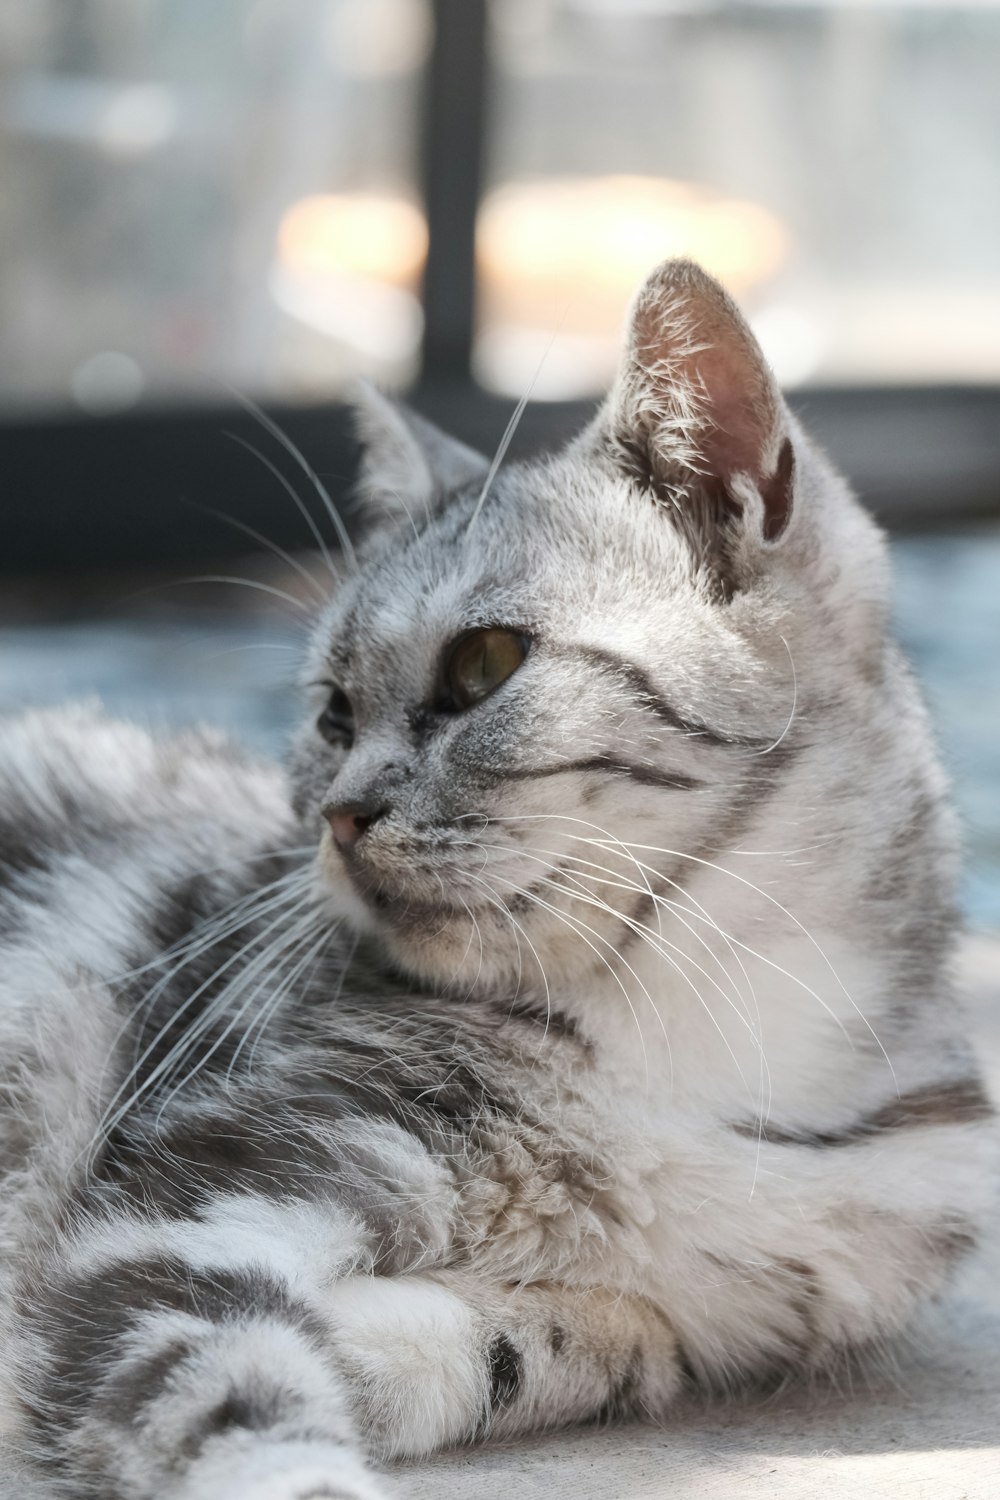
(617, 1053)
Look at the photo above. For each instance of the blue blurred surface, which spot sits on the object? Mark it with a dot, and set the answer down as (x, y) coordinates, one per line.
(238, 672)
(948, 618)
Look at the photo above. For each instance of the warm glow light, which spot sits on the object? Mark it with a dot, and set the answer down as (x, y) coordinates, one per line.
(563, 256)
(358, 234)
(378, 38)
(609, 231)
(348, 266)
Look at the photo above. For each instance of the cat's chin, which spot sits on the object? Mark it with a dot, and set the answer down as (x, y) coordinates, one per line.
(441, 957)
(436, 942)
(450, 947)
(430, 939)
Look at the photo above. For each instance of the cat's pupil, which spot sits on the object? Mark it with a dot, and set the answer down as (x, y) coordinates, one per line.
(336, 722)
(481, 661)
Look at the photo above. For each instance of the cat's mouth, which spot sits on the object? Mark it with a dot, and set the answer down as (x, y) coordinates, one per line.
(403, 907)
(410, 889)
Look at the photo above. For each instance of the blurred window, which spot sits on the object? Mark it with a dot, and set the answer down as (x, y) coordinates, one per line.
(835, 163)
(201, 194)
(206, 191)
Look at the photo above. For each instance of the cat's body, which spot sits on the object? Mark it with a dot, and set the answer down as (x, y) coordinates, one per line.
(622, 770)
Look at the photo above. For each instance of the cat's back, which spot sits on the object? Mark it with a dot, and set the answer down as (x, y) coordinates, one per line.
(113, 842)
(77, 786)
(113, 847)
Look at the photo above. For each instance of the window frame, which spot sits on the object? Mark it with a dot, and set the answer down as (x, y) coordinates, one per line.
(99, 493)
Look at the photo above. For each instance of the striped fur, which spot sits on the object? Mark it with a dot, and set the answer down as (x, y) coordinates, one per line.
(617, 1054)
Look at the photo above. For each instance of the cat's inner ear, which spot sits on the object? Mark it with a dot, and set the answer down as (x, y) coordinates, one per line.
(408, 466)
(696, 415)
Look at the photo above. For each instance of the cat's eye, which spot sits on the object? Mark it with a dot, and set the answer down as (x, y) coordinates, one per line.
(480, 661)
(336, 722)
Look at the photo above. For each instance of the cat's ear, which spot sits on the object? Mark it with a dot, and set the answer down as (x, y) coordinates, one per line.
(695, 415)
(408, 466)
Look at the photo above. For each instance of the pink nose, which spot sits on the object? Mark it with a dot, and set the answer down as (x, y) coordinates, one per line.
(347, 826)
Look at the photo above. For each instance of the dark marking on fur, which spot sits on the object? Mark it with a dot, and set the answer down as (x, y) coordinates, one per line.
(557, 1339)
(623, 1397)
(685, 1364)
(184, 988)
(610, 765)
(185, 907)
(460, 1098)
(82, 1319)
(776, 493)
(324, 1494)
(632, 676)
(799, 1341)
(26, 849)
(793, 1290)
(424, 1074)
(505, 1370)
(180, 1167)
(31, 847)
(951, 1241)
(254, 1410)
(423, 720)
(959, 1102)
(127, 1391)
(805, 1295)
(554, 1022)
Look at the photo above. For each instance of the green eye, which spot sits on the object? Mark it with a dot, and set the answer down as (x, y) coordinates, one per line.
(481, 661)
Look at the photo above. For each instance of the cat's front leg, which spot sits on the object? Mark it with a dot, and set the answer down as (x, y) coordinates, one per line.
(443, 1358)
(191, 1359)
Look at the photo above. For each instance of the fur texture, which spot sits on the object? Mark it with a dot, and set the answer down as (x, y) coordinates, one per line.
(615, 1048)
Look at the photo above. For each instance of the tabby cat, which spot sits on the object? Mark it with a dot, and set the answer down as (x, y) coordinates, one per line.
(569, 1026)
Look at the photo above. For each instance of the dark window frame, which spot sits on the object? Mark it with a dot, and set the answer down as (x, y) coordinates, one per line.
(86, 494)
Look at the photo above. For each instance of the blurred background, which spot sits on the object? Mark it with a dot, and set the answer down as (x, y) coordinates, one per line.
(210, 203)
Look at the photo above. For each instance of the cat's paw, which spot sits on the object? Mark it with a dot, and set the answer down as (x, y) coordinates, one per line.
(281, 1471)
(412, 1354)
(308, 1484)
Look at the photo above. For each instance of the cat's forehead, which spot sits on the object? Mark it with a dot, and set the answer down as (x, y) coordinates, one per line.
(555, 545)
(423, 583)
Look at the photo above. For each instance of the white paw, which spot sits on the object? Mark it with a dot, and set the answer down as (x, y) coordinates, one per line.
(307, 1483)
(411, 1352)
(280, 1471)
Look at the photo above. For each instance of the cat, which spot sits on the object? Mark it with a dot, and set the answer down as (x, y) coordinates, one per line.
(570, 1025)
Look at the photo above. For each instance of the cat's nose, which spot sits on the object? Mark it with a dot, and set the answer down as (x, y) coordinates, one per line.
(349, 824)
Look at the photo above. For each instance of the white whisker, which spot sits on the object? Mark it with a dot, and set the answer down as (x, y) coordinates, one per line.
(285, 943)
(245, 583)
(282, 437)
(795, 700)
(113, 1117)
(649, 937)
(494, 898)
(721, 869)
(257, 536)
(508, 434)
(582, 928)
(292, 493)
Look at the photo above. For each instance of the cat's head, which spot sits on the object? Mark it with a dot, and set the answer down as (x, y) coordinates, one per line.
(536, 695)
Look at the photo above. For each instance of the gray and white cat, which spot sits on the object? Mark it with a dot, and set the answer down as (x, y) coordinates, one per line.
(573, 1025)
